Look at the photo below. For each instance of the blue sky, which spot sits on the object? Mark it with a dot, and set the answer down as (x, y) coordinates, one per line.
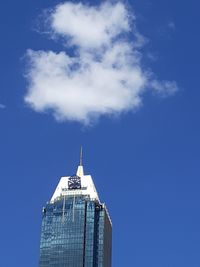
(145, 161)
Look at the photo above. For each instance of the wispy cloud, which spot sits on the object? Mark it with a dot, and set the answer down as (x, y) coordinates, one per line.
(171, 25)
(99, 72)
(2, 106)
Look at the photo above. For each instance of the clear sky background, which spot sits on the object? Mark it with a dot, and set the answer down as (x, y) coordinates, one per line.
(145, 163)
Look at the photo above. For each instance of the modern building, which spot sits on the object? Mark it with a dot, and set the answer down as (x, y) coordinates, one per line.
(76, 227)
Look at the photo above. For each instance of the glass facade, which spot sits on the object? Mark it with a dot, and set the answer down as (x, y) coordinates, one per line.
(76, 232)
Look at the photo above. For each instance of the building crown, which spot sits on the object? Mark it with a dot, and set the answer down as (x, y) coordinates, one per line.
(76, 185)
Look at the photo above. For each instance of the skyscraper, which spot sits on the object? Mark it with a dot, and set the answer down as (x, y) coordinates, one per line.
(76, 227)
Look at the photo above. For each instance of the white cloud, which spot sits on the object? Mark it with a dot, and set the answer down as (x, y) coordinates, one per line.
(87, 26)
(104, 76)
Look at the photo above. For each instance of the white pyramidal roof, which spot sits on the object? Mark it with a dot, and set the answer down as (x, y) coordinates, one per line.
(87, 186)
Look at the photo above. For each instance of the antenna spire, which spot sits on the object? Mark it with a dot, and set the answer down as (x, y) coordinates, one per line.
(80, 171)
(81, 156)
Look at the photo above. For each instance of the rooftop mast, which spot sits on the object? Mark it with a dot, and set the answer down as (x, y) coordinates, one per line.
(80, 171)
(81, 157)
